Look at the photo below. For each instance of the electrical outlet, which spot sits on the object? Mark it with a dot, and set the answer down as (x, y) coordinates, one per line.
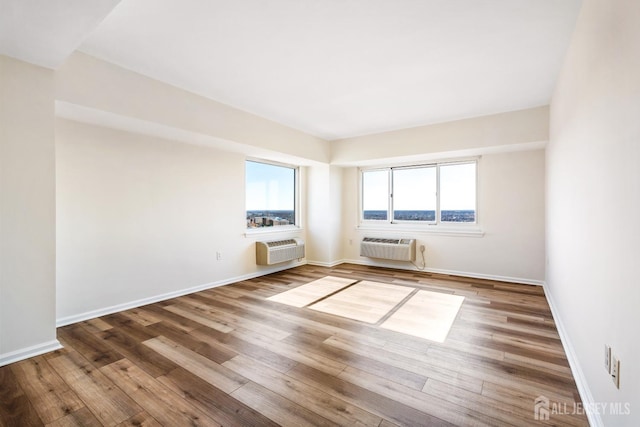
(421, 248)
(615, 370)
(607, 358)
(218, 255)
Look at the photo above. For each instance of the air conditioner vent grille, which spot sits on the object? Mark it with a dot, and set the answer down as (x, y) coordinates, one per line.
(379, 240)
(277, 251)
(277, 243)
(384, 248)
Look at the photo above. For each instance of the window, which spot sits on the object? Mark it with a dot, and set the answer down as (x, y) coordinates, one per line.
(427, 194)
(414, 194)
(458, 192)
(270, 194)
(375, 194)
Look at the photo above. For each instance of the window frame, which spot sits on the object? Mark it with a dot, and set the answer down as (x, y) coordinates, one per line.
(437, 223)
(361, 194)
(296, 198)
(391, 195)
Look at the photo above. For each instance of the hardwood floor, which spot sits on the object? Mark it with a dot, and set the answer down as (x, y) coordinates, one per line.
(228, 356)
(365, 301)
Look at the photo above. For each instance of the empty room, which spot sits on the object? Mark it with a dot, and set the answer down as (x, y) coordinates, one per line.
(343, 212)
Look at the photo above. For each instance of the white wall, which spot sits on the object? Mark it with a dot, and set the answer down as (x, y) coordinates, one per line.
(27, 209)
(141, 218)
(510, 214)
(593, 202)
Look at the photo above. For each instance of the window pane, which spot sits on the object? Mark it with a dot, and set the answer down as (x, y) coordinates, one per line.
(270, 195)
(375, 195)
(458, 193)
(414, 194)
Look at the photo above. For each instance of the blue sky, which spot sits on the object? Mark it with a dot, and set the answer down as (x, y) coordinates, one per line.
(416, 188)
(269, 187)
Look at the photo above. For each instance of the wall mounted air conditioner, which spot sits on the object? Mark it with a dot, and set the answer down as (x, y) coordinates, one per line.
(277, 251)
(395, 249)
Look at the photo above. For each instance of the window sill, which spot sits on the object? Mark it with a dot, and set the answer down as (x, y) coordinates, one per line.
(438, 230)
(272, 230)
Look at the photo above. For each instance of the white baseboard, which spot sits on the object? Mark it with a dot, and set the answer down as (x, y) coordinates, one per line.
(25, 353)
(156, 298)
(595, 420)
(472, 275)
(327, 264)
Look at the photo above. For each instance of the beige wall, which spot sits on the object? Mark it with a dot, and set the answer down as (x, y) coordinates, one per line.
(141, 218)
(324, 214)
(87, 82)
(593, 203)
(510, 192)
(27, 209)
(510, 215)
(516, 130)
(181, 203)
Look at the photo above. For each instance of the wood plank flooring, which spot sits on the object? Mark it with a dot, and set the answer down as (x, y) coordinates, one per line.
(311, 292)
(426, 314)
(229, 356)
(365, 301)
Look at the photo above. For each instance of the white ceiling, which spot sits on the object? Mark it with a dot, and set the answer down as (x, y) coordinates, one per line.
(46, 32)
(339, 68)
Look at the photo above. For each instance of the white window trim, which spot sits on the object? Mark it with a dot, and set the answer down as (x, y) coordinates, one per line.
(297, 206)
(432, 227)
(463, 231)
(293, 229)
